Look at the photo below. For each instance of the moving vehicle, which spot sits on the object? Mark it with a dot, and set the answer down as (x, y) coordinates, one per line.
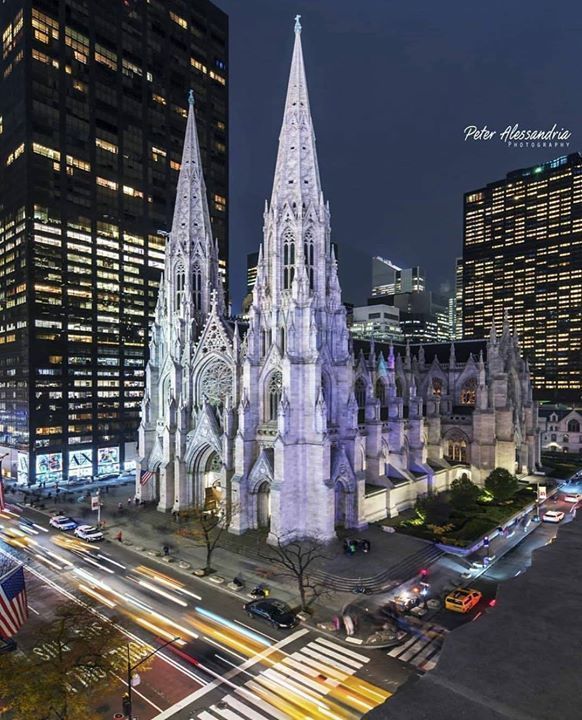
(89, 533)
(274, 611)
(553, 516)
(62, 522)
(572, 497)
(462, 599)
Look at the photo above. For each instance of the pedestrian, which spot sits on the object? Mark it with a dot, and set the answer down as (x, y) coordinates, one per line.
(166, 550)
(136, 500)
(349, 625)
(120, 506)
(129, 501)
(119, 536)
(335, 621)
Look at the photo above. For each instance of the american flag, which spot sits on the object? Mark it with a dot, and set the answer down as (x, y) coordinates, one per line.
(13, 604)
(2, 501)
(145, 476)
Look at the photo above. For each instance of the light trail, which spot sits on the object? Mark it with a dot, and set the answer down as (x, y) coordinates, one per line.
(168, 596)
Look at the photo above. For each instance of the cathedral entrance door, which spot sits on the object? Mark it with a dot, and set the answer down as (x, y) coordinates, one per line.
(264, 505)
(212, 482)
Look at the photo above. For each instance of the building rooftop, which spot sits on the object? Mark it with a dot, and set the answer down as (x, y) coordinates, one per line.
(519, 660)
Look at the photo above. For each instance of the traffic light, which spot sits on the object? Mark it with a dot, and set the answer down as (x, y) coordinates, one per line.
(126, 705)
(423, 573)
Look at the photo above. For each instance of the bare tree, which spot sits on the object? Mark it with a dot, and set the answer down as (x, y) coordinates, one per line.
(298, 560)
(205, 528)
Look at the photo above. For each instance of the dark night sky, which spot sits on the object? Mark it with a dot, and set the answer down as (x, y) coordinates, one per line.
(392, 86)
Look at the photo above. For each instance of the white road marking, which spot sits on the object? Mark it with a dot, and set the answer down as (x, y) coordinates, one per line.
(340, 648)
(244, 709)
(232, 673)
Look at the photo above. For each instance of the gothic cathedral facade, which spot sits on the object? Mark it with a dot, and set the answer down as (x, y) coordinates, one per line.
(280, 420)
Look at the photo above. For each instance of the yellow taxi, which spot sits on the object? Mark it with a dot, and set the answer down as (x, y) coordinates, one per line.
(462, 599)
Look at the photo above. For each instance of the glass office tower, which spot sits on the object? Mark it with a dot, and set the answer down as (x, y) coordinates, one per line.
(92, 116)
(522, 254)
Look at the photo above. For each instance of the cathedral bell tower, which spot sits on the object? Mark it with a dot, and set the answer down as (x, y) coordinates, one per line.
(297, 373)
(189, 284)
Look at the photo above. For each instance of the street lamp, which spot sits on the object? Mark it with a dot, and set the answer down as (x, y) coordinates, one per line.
(127, 698)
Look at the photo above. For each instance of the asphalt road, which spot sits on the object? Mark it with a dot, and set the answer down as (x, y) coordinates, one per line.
(223, 663)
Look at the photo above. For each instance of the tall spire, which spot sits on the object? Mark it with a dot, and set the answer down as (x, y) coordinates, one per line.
(297, 172)
(190, 250)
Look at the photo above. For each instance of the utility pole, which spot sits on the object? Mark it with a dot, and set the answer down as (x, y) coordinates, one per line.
(127, 698)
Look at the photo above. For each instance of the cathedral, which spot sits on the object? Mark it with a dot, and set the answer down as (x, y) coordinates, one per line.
(289, 423)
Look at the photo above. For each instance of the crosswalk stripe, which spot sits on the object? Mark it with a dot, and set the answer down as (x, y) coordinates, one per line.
(312, 672)
(332, 653)
(344, 650)
(299, 677)
(243, 709)
(225, 713)
(327, 670)
(273, 698)
(255, 699)
(284, 681)
(414, 650)
(399, 649)
(308, 651)
(206, 716)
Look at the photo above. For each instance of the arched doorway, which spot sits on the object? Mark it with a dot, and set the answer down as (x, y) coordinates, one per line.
(264, 505)
(340, 504)
(212, 482)
(206, 479)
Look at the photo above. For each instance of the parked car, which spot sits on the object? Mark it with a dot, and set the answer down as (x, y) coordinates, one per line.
(462, 599)
(274, 611)
(553, 516)
(62, 522)
(89, 533)
(572, 497)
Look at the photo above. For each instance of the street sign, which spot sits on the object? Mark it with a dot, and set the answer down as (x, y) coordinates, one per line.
(94, 502)
(542, 493)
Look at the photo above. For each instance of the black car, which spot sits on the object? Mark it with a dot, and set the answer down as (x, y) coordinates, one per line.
(278, 613)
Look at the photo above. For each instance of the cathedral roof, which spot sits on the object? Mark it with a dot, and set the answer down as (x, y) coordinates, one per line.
(463, 350)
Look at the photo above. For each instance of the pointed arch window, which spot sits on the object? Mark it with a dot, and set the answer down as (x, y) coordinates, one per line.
(437, 387)
(469, 392)
(360, 392)
(197, 286)
(573, 426)
(308, 254)
(274, 390)
(288, 257)
(380, 392)
(327, 394)
(179, 285)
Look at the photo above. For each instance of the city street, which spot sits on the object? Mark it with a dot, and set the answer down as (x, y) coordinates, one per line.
(220, 653)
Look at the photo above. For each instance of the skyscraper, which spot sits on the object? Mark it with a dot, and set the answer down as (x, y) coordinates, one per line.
(92, 116)
(522, 255)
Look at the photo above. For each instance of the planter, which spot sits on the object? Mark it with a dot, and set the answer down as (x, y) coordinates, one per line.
(184, 565)
(216, 579)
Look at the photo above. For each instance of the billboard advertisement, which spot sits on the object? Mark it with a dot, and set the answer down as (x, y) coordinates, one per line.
(80, 463)
(107, 460)
(22, 472)
(49, 468)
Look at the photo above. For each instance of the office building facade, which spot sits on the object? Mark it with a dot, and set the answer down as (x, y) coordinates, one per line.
(92, 118)
(522, 257)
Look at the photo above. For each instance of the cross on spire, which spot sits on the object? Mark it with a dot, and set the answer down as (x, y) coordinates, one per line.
(297, 23)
